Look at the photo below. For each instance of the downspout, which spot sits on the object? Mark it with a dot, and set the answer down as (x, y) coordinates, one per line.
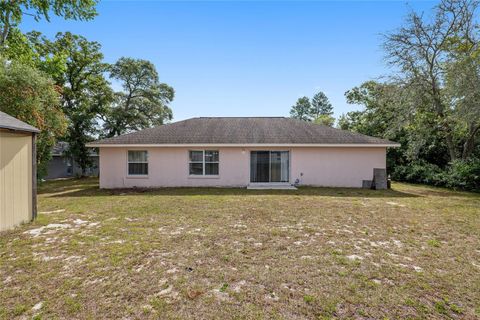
(34, 176)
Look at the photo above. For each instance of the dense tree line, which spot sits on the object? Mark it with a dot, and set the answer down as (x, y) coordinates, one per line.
(431, 103)
(63, 85)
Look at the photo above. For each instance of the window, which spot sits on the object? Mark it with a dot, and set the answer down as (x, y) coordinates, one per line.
(137, 163)
(204, 162)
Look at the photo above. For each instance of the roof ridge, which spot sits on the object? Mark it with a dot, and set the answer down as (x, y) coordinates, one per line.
(243, 130)
(241, 117)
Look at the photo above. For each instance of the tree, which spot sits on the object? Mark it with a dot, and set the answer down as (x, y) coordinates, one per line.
(19, 48)
(32, 97)
(381, 102)
(382, 117)
(421, 50)
(325, 120)
(12, 12)
(351, 121)
(302, 110)
(77, 66)
(142, 103)
(463, 89)
(431, 103)
(321, 106)
(320, 110)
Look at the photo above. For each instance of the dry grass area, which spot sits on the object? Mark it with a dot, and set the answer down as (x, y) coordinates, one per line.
(410, 252)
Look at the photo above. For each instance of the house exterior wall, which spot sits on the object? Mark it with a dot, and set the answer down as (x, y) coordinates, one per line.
(336, 167)
(58, 168)
(15, 179)
(316, 166)
(91, 171)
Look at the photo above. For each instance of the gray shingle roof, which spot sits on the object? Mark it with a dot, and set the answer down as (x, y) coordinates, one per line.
(62, 147)
(238, 130)
(9, 122)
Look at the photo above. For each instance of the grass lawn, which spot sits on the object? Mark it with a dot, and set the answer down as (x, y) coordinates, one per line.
(410, 252)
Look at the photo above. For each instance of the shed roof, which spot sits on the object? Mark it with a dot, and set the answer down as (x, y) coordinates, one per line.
(11, 123)
(243, 131)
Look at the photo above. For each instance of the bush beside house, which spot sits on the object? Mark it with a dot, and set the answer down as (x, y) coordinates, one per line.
(460, 174)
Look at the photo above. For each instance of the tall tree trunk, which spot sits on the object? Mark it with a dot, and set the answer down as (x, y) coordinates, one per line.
(440, 109)
(469, 144)
(450, 144)
(6, 29)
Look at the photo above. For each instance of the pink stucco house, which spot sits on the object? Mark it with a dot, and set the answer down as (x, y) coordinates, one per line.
(240, 152)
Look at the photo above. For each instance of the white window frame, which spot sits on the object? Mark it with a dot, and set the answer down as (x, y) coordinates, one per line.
(203, 162)
(128, 165)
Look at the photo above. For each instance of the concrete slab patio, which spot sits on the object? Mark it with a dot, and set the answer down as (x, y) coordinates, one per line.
(271, 186)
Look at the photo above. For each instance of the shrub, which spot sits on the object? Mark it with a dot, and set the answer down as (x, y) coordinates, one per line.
(460, 174)
(417, 172)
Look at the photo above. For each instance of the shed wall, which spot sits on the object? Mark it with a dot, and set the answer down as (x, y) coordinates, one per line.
(15, 178)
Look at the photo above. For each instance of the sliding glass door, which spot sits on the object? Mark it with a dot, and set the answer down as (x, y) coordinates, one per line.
(260, 166)
(279, 166)
(269, 166)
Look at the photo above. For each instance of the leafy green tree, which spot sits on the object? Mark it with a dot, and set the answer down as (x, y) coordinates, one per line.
(380, 101)
(302, 110)
(382, 117)
(12, 12)
(350, 121)
(19, 48)
(77, 66)
(142, 103)
(325, 120)
(463, 89)
(32, 97)
(321, 106)
(48, 55)
(431, 103)
(422, 52)
(319, 110)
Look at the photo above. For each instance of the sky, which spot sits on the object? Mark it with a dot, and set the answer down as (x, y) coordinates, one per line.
(246, 58)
